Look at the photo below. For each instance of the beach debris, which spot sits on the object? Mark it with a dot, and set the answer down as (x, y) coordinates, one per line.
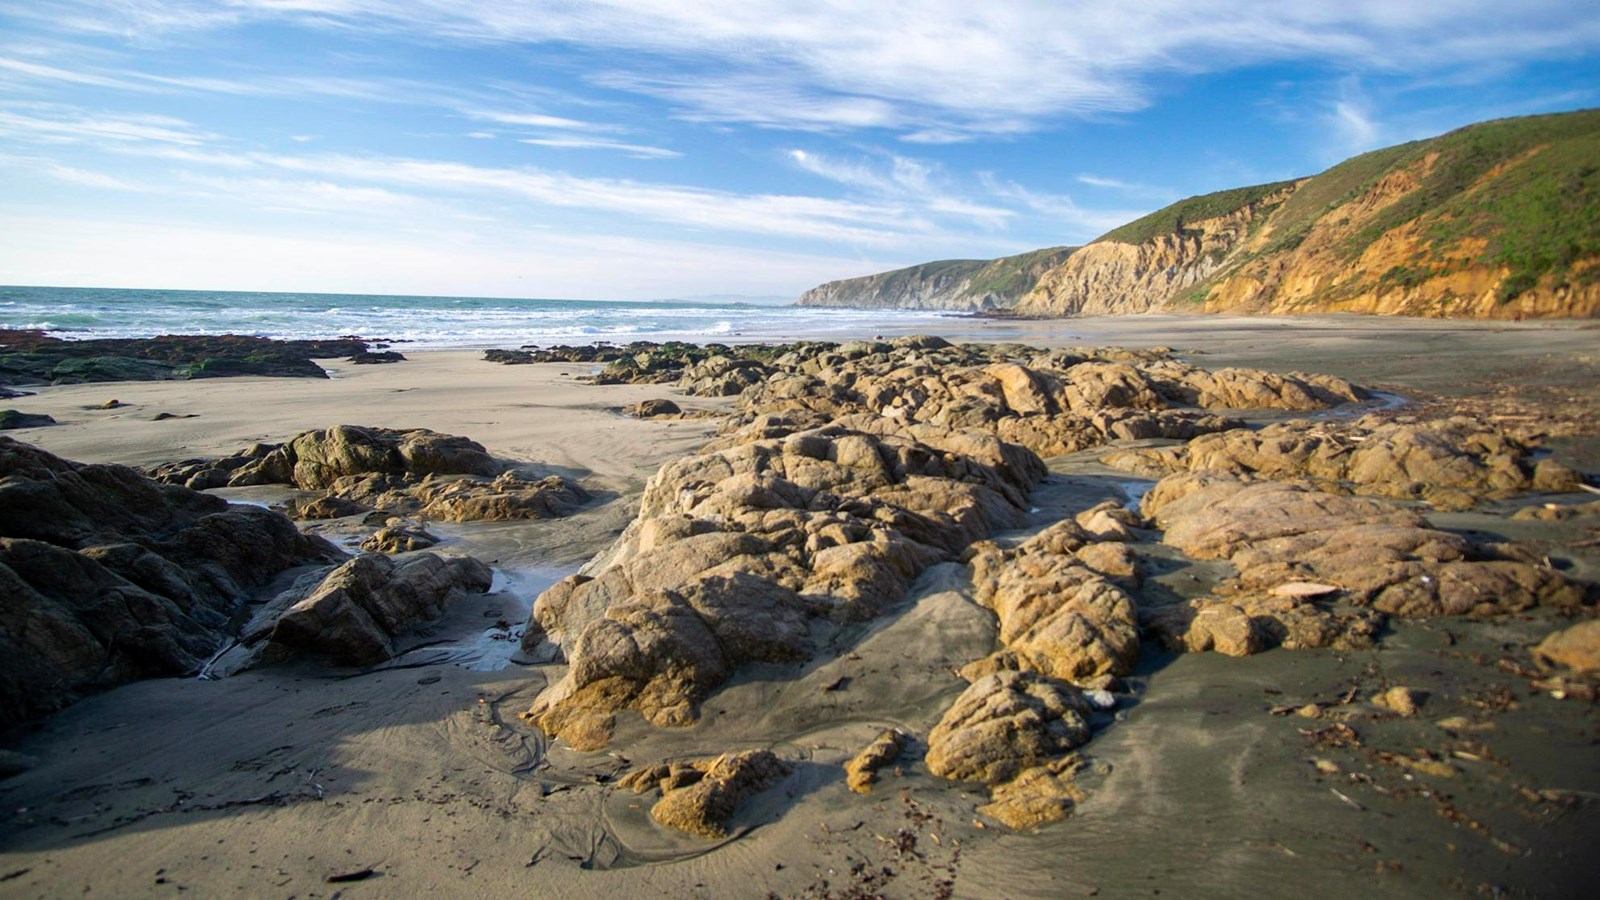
(701, 796)
(862, 770)
(1303, 589)
(351, 876)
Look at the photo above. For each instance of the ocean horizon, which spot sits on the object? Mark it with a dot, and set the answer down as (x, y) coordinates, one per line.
(431, 322)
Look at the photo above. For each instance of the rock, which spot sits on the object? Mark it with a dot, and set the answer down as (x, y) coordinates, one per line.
(1382, 558)
(365, 358)
(14, 763)
(649, 409)
(110, 577)
(737, 551)
(32, 357)
(351, 616)
(10, 419)
(1450, 463)
(1039, 796)
(1401, 700)
(700, 797)
(328, 507)
(1576, 648)
(1057, 616)
(399, 539)
(1005, 724)
(410, 472)
(862, 770)
(509, 496)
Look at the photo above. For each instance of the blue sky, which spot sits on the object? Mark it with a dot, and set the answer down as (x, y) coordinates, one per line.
(635, 149)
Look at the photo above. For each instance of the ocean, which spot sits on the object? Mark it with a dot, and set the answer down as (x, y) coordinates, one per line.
(434, 322)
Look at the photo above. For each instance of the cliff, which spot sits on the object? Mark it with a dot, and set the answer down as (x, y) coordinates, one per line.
(1496, 220)
(953, 284)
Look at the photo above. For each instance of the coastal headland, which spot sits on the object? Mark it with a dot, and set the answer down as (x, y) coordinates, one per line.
(1094, 607)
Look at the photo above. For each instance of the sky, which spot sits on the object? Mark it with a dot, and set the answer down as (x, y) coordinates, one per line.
(640, 149)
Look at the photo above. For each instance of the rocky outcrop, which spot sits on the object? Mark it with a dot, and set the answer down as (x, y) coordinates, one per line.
(736, 551)
(1056, 403)
(352, 615)
(968, 285)
(110, 577)
(404, 472)
(32, 357)
(700, 797)
(1114, 277)
(1314, 568)
(1450, 463)
(1058, 616)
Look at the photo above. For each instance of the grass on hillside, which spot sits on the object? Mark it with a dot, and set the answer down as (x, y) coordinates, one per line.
(1538, 214)
(1172, 219)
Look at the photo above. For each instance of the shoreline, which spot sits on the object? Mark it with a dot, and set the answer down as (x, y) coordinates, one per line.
(429, 782)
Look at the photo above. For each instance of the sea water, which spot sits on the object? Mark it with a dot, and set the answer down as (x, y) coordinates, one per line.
(434, 322)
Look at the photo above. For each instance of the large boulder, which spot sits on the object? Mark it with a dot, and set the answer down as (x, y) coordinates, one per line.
(352, 615)
(109, 577)
(403, 472)
(1004, 724)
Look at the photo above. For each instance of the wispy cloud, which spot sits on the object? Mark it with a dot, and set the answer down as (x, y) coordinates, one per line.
(47, 124)
(907, 181)
(964, 69)
(637, 151)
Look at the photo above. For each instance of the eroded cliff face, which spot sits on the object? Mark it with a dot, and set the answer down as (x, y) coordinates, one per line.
(934, 286)
(965, 285)
(1496, 220)
(1115, 278)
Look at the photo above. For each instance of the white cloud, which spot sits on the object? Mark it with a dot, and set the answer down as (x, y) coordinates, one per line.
(939, 70)
(51, 124)
(637, 151)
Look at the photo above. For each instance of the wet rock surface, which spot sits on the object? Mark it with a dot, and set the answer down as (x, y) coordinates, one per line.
(110, 577)
(403, 472)
(32, 357)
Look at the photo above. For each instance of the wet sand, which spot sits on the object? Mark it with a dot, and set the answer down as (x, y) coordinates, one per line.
(270, 782)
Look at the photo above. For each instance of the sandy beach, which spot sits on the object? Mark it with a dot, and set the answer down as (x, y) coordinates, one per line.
(419, 777)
